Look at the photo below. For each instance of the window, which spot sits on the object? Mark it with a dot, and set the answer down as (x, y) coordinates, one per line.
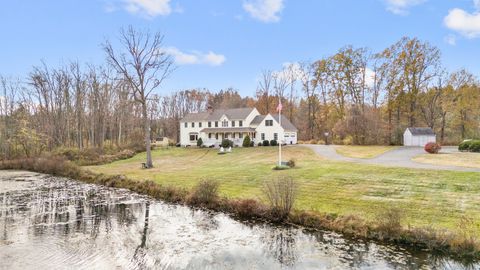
(240, 135)
(216, 136)
(275, 136)
(268, 123)
(186, 124)
(193, 137)
(263, 136)
(293, 135)
(209, 135)
(209, 124)
(233, 123)
(216, 123)
(225, 123)
(199, 124)
(193, 124)
(254, 135)
(240, 123)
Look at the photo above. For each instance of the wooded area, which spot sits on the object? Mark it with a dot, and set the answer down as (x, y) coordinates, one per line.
(358, 96)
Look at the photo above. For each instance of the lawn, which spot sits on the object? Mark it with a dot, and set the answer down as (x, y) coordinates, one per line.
(359, 151)
(471, 160)
(437, 198)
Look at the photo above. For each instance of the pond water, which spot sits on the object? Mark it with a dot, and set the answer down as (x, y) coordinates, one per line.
(56, 223)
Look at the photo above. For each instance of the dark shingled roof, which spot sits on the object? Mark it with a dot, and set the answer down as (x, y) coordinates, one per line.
(421, 131)
(286, 124)
(232, 114)
(257, 120)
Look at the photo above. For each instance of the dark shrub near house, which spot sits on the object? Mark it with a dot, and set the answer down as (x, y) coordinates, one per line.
(227, 143)
(273, 143)
(199, 142)
(266, 143)
(432, 148)
(252, 144)
(246, 141)
(260, 144)
(470, 146)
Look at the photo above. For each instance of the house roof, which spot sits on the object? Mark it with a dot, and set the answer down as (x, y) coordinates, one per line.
(232, 114)
(421, 131)
(226, 130)
(286, 124)
(257, 120)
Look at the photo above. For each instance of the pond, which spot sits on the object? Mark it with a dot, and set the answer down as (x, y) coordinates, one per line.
(53, 223)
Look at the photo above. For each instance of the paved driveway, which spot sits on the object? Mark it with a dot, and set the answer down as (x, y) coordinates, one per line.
(398, 157)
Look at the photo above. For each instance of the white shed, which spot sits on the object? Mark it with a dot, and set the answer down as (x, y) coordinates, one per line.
(415, 136)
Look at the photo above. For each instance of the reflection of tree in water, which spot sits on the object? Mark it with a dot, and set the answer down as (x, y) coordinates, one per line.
(139, 257)
(281, 244)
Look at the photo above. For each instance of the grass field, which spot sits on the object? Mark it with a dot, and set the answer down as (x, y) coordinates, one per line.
(436, 198)
(471, 160)
(359, 151)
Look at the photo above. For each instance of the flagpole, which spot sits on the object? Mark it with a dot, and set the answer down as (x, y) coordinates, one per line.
(280, 135)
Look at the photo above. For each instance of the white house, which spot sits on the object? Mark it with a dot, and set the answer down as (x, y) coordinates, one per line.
(415, 136)
(234, 124)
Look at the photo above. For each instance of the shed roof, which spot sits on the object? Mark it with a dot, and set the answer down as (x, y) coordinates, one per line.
(418, 131)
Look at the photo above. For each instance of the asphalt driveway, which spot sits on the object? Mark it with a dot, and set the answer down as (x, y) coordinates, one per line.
(398, 157)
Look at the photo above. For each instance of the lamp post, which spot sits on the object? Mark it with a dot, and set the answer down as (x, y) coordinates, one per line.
(326, 137)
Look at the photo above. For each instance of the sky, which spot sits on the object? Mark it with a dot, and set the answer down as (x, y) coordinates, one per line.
(217, 44)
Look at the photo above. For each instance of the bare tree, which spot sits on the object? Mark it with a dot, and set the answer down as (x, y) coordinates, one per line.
(144, 66)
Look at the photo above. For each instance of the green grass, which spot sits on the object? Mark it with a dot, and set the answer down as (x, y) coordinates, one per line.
(461, 159)
(361, 151)
(434, 198)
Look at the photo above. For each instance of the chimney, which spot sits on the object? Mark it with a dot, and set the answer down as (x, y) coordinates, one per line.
(209, 109)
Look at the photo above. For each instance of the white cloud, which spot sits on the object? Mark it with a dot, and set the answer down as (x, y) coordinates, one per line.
(400, 7)
(264, 10)
(149, 8)
(195, 57)
(451, 39)
(369, 77)
(467, 24)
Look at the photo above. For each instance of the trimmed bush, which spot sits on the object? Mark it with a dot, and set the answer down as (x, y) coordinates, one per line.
(259, 144)
(246, 141)
(291, 163)
(266, 143)
(474, 146)
(465, 145)
(252, 144)
(273, 143)
(199, 142)
(432, 148)
(227, 143)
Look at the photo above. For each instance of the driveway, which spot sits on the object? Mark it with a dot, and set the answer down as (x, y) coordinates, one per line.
(398, 157)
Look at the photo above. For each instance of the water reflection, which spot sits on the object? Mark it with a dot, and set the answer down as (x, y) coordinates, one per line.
(49, 222)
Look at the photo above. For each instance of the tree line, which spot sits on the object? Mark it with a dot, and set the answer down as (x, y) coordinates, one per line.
(357, 96)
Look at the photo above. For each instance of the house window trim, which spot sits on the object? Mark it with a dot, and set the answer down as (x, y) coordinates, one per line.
(275, 136)
(209, 124)
(193, 124)
(216, 123)
(262, 136)
(233, 123)
(240, 123)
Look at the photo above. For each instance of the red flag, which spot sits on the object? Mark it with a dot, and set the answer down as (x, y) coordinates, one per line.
(279, 107)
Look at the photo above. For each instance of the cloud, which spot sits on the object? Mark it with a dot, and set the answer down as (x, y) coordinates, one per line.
(195, 57)
(369, 77)
(148, 8)
(264, 10)
(467, 24)
(401, 7)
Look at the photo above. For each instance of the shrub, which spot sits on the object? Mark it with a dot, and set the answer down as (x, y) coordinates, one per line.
(204, 193)
(248, 208)
(252, 144)
(246, 141)
(291, 163)
(432, 148)
(199, 142)
(266, 143)
(273, 143)
(312, 142)
(227, 143)
(389, 222)
(259, 143)
(281, 194)
(465, 145)
(474, 146)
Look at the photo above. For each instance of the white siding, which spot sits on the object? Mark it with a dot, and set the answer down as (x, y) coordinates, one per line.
(269, 131)
(417, 140)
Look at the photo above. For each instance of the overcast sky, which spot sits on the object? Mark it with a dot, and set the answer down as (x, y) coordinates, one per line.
(227, 43)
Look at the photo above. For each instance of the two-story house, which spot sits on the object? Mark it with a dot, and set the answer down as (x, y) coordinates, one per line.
(234, 124)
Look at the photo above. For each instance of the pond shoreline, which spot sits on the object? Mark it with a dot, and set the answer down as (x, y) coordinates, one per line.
(454, 245)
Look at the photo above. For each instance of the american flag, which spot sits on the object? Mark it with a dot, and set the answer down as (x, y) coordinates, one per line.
(279, 107)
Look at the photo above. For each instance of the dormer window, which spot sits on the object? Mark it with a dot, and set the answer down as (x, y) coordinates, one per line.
(225, 123)
(268, 123)
(216, 123)
(240, 123)
(233, 123)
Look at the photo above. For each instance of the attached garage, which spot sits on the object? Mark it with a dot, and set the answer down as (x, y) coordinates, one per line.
(415, 136)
